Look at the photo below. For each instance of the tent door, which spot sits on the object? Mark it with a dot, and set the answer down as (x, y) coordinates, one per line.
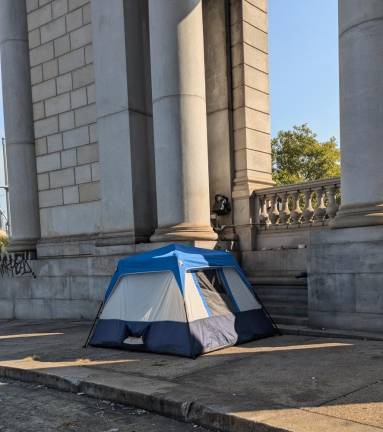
(211, 285)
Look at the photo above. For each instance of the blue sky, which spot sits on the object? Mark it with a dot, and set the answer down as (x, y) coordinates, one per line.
(304, 83)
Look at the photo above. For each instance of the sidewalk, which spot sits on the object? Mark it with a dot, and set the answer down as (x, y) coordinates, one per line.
(285, 383)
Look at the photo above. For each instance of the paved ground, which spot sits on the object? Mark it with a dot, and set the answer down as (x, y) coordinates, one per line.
(35, 408)
(286, 383)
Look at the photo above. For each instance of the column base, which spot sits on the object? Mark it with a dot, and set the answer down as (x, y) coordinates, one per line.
(360, 215)
(22, 245)
(183, 232)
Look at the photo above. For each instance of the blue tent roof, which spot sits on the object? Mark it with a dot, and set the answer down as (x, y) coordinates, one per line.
(174, 257)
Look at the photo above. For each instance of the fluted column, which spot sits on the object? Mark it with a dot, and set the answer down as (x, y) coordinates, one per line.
(179, 117)
(19, 133)
(361, 112)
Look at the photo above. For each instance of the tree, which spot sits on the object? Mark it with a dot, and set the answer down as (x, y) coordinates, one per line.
(298, 156)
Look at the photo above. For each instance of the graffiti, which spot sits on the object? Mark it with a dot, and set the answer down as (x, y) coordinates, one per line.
(16, 264)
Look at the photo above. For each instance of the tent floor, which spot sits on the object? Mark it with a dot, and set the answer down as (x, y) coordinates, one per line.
(290, 382)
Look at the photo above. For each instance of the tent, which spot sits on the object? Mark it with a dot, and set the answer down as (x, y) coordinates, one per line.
(179, 300)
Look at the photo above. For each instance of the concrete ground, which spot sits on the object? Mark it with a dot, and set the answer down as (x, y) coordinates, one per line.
(35, 408)
(284, 383)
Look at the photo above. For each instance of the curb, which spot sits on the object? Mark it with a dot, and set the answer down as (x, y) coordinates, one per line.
(187, 411)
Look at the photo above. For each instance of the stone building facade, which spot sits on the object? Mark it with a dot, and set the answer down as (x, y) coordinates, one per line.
(125, 118)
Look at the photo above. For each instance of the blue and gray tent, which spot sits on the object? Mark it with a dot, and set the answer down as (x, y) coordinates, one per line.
(179, 300)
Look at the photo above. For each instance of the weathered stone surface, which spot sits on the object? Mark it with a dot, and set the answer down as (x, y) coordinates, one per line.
(89, 192)
(62, 45)
(43, 181)
(76, 137)
(71, 61)
(87, 154)
(39, 17)
(53, 30)
(83, 174)
(344, 278)
(64, 83)
(71, 195)
(54, 143)
(59, 8)
(66, 121)
(68, 158)
(44, 90)
(41, 54)
(50, 69)
(46, 127)
(48, 163)
(81, 37)
(57, 104)
(61, 178)
(50, 198)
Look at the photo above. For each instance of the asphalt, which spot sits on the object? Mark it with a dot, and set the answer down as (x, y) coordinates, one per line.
(283, 383)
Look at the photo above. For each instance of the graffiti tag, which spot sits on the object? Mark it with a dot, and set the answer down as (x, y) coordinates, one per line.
(15, 265)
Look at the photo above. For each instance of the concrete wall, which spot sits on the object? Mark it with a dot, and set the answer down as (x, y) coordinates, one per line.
(69, 288)
(64, 110)
(345, 278)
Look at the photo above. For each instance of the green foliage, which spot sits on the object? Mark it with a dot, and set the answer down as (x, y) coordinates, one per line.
(4, 241)
(298, 156)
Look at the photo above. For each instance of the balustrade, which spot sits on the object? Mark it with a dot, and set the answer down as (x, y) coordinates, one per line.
(297, 205)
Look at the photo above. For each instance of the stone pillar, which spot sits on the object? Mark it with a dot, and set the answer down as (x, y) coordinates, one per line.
(252, 145)
(219, 103)
(179, 120)
(361, 119)
(19, 133)
(124, 123)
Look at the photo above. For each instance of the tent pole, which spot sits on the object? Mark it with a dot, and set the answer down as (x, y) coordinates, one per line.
(93, 326)
(266, 311)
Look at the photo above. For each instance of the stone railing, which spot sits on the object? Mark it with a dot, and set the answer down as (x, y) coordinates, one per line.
(297, 205)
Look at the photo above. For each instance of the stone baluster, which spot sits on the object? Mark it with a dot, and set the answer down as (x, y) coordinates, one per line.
(320, 211)
(264, 215)
(308, 211)
(274, 213)
(332, 206)
(284, 214)
(296, 214)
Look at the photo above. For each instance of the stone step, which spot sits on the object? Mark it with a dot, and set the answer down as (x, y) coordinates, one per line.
(301, 287)
(276, 280)
(280, 298)
(285, 319)
(288, 309)
(277, 291)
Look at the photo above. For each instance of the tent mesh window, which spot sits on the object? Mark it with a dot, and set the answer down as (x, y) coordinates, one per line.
(214, 290)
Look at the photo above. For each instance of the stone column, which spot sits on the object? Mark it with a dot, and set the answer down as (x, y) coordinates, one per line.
(123, 100)
(179, 117)
(19, 133)
(252, 145)
(361, 114)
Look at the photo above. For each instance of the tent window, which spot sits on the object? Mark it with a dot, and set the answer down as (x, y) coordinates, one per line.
(213, 289)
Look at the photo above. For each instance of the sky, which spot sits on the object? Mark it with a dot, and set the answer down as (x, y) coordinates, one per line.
(303, 56)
